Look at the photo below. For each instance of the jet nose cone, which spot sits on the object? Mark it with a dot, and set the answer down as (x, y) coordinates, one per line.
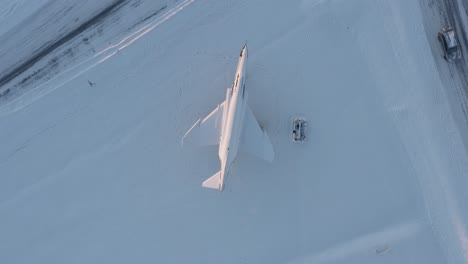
(244, 50)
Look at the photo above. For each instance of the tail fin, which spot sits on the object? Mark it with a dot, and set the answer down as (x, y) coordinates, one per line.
(214, 182)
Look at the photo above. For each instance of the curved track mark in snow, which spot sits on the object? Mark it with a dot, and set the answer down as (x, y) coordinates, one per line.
(127, 41)
(10, 9)
(61, 79)
(377, 242)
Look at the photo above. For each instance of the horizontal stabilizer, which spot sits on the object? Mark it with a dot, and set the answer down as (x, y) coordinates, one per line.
(214, 182)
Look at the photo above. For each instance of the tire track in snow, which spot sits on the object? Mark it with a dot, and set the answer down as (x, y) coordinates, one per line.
(127, 41)
(11, 8)
(378, 243)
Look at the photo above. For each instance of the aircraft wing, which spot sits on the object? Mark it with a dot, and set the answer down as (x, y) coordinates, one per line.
(207, 131)
(254, 140)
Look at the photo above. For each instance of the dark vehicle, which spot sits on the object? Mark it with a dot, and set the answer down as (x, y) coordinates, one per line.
(450, 44)
(298, 132)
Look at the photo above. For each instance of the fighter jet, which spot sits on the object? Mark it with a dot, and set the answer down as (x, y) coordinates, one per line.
(233, 127)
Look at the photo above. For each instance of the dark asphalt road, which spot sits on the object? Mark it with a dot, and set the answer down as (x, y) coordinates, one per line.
(456, 13)
(436, 15)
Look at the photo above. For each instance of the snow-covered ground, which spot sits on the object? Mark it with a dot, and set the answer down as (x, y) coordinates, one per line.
(95, 173)
(14, 12)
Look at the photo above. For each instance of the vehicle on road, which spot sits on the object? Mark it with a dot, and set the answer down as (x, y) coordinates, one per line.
(449, 43)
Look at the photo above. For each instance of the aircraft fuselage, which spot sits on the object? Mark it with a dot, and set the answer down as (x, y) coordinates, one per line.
(236, 100)
(232, 127)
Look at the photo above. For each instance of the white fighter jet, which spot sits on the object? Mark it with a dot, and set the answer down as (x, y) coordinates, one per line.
(233, 127)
